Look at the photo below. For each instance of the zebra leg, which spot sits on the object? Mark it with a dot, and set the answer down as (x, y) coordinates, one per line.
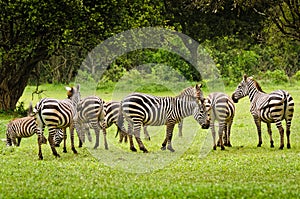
(228, 133)
(40, 135)
(97, 131)
(65, 141)
(170, 128)
(258, 126)
(13, 139)
(51, 141)
(19, 141)
(225, 135)
(270, 135)
(72, 138)
(180, 125)
(221, 130)
(281, 132)
(130, 129)
(147, 136)
(288, 132)
(136, 131)
(213, 133)
(104, 137)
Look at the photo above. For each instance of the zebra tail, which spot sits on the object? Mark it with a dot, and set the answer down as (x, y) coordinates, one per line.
(30, 110)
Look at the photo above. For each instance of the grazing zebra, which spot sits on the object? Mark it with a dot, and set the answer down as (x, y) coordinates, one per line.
(269, 108)
(143, 109)
(57, 114)
(90, 113)
(21, 128)
(220, 107)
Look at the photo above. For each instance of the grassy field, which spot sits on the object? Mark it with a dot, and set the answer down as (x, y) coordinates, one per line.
(193, 171)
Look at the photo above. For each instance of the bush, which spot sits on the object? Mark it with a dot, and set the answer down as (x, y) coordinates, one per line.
(277, 76)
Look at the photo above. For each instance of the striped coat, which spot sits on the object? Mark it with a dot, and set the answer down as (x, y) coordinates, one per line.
(57, 114)
(268, 108)
(142, 109)
(220, 107)
(90, 113)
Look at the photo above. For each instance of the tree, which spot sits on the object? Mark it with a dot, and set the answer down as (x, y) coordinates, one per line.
(35, 30)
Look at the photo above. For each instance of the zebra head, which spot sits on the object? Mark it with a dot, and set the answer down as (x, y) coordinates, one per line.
(241, 91)
(194, 91)
(58, 137)
(201, 116)
(74, 94)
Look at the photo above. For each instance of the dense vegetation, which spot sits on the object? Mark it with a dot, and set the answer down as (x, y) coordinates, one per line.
(47, 41)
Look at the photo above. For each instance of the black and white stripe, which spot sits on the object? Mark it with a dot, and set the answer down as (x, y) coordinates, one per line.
(111, 117)
(269, 108)
(21, 128)
(57, 114)
(220, 107)
(90, 113)
(142, 109)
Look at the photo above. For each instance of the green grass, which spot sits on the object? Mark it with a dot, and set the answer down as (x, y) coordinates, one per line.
(243, 171)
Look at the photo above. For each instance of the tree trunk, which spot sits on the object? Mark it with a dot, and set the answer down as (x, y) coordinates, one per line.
(13, 80)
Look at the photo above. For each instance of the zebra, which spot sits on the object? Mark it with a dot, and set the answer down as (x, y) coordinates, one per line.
(25, 127)
(220, 107)
(90, 113)
(19, 128)
(56, 114)
(142, 109)
(269, 108)
(111, 117)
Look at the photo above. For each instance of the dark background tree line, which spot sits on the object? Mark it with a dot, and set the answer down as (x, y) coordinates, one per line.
(46, 41)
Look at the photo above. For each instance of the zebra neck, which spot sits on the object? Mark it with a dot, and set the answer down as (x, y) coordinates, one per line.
(185, 105)
(253, 92)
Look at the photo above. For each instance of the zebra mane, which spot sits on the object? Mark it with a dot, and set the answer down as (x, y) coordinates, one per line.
(256, 84)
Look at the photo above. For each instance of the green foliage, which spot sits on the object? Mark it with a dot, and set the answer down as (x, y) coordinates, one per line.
(275, 77)
(20, 109)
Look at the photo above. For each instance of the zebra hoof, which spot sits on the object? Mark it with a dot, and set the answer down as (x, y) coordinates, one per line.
(229, 145)
(133, 149)
(41, 157)
(288, 146)
(259, 145)
(222, 148)
(145, 150)
(74, 150)
(163, 148)
(171, 149)
(65, 150)
(215, 147)
(281, 147)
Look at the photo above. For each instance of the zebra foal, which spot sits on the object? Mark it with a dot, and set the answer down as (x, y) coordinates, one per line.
(142, 109)
(57, 114)
(220, 107)
(269, 108)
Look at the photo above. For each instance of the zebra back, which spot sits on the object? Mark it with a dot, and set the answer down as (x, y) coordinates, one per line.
(220, 106)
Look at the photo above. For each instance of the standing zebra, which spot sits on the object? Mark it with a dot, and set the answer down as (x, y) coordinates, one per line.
(56, 114)
(143, 109)
(220, 107)
(269, 108)
(111, 117)
(90, 113)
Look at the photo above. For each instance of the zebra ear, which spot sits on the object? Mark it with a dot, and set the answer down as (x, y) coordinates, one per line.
(245, 77)
(68, 88)
(78, 87)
